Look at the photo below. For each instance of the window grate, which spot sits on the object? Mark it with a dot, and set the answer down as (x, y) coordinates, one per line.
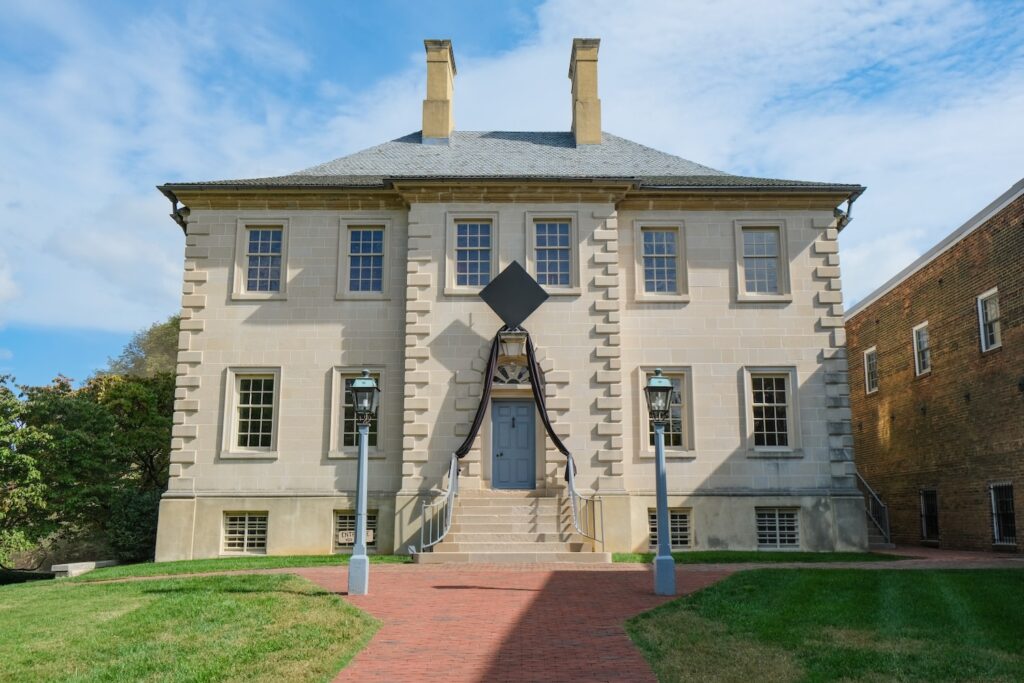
(929, 515)
(660, 261)
(1004, 523)
(345, 521)
(678, 527)
(349, 428)
(761, 260)
(989, 319)
(366, 259)
(263, 259)
(871, 370)
(770, 408)
(777, 528)
(245, 532)
(255, 411)
(472, 254)
(675, 436)
(553, 251)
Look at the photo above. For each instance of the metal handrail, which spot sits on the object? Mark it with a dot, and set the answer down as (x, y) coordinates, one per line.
(587, 512)
(877, 510)
(437, 514)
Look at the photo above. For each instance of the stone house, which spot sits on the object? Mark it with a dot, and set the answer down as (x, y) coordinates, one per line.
(937, 385)
(376, 260)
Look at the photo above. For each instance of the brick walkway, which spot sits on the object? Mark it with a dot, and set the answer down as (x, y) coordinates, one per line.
(503, 623)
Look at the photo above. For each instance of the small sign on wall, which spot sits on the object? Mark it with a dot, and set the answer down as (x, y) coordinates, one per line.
(349, 537)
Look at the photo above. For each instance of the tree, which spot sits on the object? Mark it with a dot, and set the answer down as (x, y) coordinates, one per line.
(150, 351)
(23, 519)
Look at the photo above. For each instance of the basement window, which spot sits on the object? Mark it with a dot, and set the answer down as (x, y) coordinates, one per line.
(778, 528)
(345, 529)
(678, 528)
(1004, 523)
(245, 533)
(929, 515)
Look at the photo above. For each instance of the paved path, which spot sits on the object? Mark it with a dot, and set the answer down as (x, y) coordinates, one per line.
(503, 623)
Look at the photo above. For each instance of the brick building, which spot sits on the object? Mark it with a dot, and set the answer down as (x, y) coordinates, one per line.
(937, 385)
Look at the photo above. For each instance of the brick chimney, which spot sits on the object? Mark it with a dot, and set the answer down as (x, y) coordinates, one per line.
(586, 107)
(437, 108)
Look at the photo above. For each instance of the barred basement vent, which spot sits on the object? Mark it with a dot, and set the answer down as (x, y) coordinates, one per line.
(778, 528)
(345, 524)
(245, 532)
(678, 527)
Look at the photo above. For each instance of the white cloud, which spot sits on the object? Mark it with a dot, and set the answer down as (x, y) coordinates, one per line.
(6, 354)
(895, 95)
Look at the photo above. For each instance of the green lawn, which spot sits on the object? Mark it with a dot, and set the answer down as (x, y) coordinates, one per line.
(737, 556)
(843, 624)
(213, 628)
(224, 564)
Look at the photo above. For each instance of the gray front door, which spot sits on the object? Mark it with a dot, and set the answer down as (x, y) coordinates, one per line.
(512, 445)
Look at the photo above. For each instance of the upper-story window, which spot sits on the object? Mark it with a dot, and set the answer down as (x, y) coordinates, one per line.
(472, 253)
(762, 266)
(553, 253)
(261, 260)
(871, 370)
(660, 261)
(988, 320)
(922, 350)
(366, 259)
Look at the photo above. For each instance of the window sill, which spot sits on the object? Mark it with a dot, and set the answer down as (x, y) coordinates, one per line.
(992, 349)
(563, 291)
(371, 296)
(645, 298)
(245, 553)
(248, 455)
(372, 454)
(746, 298)
(258, 296)
(783, 454)
(920, 375)
(462, 291)
(670, 454)
(871, 393)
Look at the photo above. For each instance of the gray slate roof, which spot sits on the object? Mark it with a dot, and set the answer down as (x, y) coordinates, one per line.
(512, 155)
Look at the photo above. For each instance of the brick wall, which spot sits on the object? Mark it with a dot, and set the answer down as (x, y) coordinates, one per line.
(959, 427)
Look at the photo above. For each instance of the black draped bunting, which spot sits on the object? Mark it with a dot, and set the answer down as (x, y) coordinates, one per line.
(536, 384)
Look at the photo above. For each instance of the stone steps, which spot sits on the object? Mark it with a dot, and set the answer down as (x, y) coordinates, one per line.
(447, 546)
(512, 557)
(511, 537)
(536, 527)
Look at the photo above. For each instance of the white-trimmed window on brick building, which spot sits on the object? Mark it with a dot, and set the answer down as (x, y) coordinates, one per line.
(922, 349)
(255, 411)
(678, 528)
(245, 532)
(989, 323)
(1004, 521)
(871, 370)
(778, 528)
(345, 530)
(929, 515)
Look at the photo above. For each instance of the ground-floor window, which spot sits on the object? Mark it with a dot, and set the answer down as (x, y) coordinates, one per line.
(778, 528)
(245, 532)
(678, 527)
(929, 515)
(1004, 524)
(345, 530)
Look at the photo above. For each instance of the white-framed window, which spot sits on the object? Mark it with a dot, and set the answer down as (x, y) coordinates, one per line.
(989, 325)
(364, 258)
(345, 525)
(1004, 521)
(679, 431)
(261, 259)
(245, 533)
(778, 528)
(471, 252)
(871, 370)
(552, 251)
(929, 515)
(762, 261)
(678, 528)
(771, 407)
(660, 262)
(251, 410)
(344, 434)
(922, 350)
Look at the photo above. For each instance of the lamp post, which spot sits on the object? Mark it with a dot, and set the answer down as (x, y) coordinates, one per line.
(659, 400)
(365, 398)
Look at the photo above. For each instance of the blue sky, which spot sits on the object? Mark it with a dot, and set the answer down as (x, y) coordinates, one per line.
(920, 100)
